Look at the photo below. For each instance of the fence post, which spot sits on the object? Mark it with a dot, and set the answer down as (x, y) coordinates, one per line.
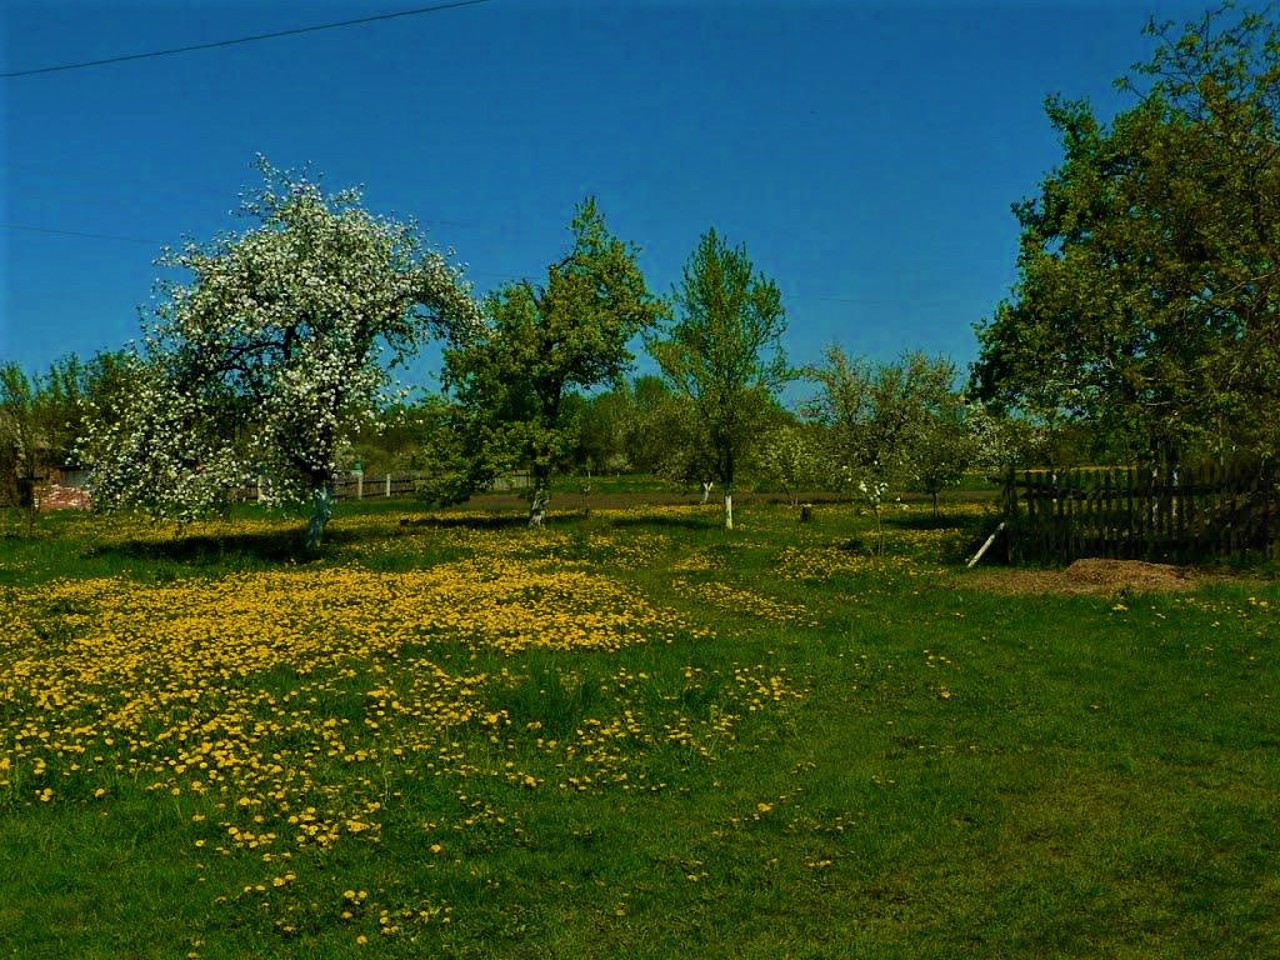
(388, 487)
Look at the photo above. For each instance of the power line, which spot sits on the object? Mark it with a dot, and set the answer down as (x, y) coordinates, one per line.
(436, 8)
(79, 233)
(869, 302)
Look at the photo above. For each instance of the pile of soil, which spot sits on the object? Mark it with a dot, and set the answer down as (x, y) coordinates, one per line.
(1099, 577)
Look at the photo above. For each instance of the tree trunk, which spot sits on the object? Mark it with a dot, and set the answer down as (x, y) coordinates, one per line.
(706, 489)
(321, 512)
(540, 498)
(728, 510)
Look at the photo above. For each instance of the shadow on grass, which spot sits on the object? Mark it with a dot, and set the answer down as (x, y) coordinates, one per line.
(255, 548)
(496, 521)
(671, 523)
(927, 521)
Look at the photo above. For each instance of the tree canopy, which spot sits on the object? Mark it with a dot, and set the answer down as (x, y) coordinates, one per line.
(1147, 300)
(724, 353)
(270, 356)
(890, 424)
(512, 376)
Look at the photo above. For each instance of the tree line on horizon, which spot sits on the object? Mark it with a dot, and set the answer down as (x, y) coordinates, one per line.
(1143, 327)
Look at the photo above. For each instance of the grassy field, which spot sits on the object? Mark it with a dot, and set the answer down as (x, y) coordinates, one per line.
(631, 734)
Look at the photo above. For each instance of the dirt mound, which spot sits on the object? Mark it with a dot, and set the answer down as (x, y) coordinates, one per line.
(1103, 577)
(1128, 574)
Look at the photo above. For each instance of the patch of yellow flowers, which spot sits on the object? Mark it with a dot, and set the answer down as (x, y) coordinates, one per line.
(277, 706)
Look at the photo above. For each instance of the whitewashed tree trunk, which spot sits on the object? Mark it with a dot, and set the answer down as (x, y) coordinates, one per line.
(538, 506)
(728, 510)
(321, 512)
(706, 490)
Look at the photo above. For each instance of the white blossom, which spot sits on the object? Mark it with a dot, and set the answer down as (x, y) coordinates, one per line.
(268, 357)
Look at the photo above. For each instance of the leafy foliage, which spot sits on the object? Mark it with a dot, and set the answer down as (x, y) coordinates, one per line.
(1146, 303)
(512, 377)
(43, 417)
(269, 359)
(724, 354)
(793, 457)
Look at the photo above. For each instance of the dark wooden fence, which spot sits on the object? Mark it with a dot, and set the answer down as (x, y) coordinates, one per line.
(1142, 513)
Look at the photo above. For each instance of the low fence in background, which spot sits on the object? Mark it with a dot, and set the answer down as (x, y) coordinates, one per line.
(386, 485)
(1142, 513)
(349, 488)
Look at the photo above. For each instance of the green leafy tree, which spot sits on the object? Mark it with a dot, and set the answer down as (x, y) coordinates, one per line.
(793, 457)
(512, 377)
(943, 449)
(887, 422)
(42, 418)
(606, 422)
(724, 354)
(1147, 299)
(19, 435)
(646, 441)
(269, 359)
(452, 459)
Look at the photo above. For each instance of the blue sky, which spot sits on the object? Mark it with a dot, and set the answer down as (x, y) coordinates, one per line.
(867, 153)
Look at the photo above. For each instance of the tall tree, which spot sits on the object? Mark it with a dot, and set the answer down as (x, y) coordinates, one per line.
(512, 376)
(724, 353)
(270, 357)
(1147, 302)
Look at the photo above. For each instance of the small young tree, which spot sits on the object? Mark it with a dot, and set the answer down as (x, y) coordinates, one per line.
(886, 421)
(724, 353)
(793, 458)
(270, 357)
(512, 376)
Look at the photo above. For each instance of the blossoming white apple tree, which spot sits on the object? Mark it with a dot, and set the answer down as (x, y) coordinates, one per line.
(271, 355)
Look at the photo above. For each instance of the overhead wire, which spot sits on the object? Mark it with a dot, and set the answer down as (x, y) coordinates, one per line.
(80, 233)
(58, 68)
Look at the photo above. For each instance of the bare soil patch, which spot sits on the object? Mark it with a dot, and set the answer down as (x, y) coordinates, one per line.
(1093, 576)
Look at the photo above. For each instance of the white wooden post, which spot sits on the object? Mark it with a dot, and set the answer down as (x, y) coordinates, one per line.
(388, 493)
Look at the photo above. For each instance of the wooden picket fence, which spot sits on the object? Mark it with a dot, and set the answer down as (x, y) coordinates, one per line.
(1142, 513)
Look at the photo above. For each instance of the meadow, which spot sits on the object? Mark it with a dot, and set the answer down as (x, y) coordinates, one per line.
(630, 734)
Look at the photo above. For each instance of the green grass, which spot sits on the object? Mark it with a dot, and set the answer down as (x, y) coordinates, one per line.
(964, 773)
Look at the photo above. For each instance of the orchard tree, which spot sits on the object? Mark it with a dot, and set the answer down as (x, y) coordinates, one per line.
(724, 353)
(540, 342)
(455, 459)
(943, 447)
(1147, 303)
(1002, 440)
(268, 358)
(886, 422)
(792, 456)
